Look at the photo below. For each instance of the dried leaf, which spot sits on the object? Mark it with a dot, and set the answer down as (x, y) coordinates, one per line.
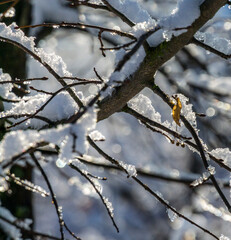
(176, 111)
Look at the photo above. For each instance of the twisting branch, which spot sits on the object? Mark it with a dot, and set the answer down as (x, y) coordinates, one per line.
(97, 191)
(167, 100)
(153, 193)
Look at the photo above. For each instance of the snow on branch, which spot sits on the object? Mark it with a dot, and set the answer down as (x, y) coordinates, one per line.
(217, 45)
(53, 63)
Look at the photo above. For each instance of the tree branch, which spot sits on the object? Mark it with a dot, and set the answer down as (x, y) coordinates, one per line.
(155, 58)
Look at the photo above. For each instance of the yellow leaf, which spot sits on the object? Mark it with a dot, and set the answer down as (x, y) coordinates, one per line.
(176, 111)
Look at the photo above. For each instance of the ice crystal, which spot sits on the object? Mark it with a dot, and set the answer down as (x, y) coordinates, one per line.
(172, 215)
(131, 169)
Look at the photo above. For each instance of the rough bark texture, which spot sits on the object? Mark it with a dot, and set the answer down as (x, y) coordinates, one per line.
(155, 58)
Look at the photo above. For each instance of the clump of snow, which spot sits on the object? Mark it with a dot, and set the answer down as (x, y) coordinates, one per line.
(97, 136)
(130, 66)
(185, 13)
(143, 105)
(131, 169)
(54, 110)
(131, 9)
(142, 27)
(19, 141)
(223, 237)
(186, 110)
(221, 44)
(17, 35)
(222, 153)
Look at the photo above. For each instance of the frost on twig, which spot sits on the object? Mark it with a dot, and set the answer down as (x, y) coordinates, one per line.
(205, 176)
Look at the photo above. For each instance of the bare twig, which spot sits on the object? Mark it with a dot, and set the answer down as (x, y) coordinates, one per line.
(81, 25)
(118, 13)
(98, 192)
(153, 193)
(183, 178)
(54, 201)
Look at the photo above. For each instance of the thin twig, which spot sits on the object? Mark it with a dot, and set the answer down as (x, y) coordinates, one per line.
(154, 194)
(46, 65)
(27, 185)
(183, 178)
(167, 100)
(97, 191)
(81, 25)
(118, 13)
(54, 201)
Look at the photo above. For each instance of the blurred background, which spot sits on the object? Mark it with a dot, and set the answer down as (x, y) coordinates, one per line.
(198, 74)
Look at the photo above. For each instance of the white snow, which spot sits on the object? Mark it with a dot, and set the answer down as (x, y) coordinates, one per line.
(19, 141)
(17, 35)
(143, 105)
(221, 44)
(222, 153)
(131, 9)
(96, 136)
(183, 15)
